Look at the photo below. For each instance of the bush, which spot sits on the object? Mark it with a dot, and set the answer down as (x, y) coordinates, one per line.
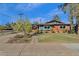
(72, 30)
(2, 27)
(52, 31)
(19, 39)
(19, 36)
(64, 30)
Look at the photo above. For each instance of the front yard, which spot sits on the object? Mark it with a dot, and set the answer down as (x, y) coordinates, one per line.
(58, 37)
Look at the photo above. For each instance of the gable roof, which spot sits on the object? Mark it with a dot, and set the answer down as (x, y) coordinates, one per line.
(55, 21)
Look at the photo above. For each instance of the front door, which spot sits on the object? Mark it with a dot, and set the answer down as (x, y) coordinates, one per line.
(55, 29)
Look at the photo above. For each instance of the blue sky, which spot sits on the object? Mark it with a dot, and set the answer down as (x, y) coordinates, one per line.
(44, 11)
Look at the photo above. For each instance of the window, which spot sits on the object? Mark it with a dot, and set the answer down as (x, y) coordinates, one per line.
(63, 26)
(47, 27)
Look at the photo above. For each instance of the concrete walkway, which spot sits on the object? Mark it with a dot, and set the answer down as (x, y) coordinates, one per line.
(37, 49)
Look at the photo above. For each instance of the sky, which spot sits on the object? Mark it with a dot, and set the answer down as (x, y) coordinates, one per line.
(9, 12)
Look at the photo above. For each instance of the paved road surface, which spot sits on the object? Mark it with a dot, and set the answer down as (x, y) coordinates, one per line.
(37, 49)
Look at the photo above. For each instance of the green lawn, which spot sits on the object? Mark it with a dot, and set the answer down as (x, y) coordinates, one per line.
(58, 37)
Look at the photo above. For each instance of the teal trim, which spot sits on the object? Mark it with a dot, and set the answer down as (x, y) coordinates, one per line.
(45, 28)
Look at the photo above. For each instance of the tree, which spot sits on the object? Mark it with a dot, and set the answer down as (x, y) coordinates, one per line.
(72, 10)
(17, 26)
(22, 26)
(36, 23)
(8, 25)
(27, 26)
(67, 8)
(56, 18)
(76, 13)
(2, 27)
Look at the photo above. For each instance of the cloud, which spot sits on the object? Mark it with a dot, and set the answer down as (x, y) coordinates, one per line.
(31, 6)
(47, 16)
(54, 12)
(28, 6)
(37, 19)
(50, 15)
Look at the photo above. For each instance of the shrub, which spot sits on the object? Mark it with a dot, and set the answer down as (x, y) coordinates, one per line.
(19, 36)
(64, 30)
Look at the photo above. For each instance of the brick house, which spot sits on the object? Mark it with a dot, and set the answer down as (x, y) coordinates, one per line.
(52, 26)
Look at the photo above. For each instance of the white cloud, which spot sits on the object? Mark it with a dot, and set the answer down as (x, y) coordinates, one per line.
(47, 16)
(54, 12)
(28, 6)
(31, 6)
(38, 19)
